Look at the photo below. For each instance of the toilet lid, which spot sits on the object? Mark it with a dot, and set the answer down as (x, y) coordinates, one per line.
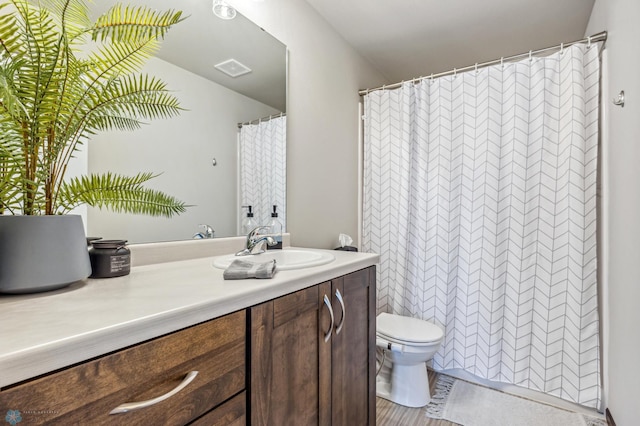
(407, 329)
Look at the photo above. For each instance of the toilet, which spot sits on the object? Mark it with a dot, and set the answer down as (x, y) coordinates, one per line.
(407, 343)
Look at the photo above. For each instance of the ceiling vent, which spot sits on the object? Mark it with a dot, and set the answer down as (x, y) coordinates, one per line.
(233, 68)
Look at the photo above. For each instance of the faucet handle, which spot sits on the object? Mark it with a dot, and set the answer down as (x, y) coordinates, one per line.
(255, 231)
(208, 230)
(255, 242)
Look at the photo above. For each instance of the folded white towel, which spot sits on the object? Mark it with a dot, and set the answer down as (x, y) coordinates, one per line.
(243, 269)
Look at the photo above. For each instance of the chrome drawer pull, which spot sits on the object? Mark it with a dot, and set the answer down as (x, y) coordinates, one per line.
(339, 296)
(132, 406)
(327, 302)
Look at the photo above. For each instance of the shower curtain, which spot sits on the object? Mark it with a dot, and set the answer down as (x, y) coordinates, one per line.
(480, 196)
(263, 159)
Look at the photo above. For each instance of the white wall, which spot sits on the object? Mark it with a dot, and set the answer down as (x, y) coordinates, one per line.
(621, 18)
(182, 149)
(325, 74)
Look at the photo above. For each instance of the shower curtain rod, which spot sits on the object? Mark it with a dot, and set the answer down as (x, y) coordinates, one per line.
(259, 120)
(591, 39)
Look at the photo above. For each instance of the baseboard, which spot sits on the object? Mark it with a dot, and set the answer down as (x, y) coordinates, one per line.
(610, 421)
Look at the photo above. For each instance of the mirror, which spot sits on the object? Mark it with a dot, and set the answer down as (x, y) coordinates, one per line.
(196, 155)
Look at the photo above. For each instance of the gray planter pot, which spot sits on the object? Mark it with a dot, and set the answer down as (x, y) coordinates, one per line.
(41, 253)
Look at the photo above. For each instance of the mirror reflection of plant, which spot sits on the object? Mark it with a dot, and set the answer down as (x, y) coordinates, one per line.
(63, 79)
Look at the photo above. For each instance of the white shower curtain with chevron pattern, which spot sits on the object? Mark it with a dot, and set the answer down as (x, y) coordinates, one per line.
(480, 196)
(263, 159)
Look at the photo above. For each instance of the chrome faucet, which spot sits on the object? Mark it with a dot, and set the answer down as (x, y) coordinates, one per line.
(207, 232)
(255, 242)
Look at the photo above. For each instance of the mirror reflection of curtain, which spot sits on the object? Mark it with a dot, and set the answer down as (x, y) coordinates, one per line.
(263, 159)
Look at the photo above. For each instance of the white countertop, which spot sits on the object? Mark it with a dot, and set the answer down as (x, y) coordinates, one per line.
(43, 332)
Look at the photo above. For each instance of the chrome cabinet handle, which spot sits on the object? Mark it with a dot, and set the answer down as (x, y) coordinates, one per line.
(339, 296)
(327, 302)
(132, 406)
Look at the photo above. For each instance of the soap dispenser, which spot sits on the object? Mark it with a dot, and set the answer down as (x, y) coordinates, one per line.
(275, 229)
(248, 224)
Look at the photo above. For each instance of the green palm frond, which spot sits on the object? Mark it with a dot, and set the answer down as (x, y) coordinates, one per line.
(124, 194)
(9, 173)
(72, 14)
(141, 96)
(56, 92)
(10, 45)
(10, 101)
(120, 58)
(114, 122)
(134, 23)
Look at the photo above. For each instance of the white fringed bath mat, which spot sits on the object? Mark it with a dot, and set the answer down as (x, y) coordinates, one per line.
(471, 405)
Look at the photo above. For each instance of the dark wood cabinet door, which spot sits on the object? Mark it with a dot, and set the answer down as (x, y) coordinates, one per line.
(286, 382)
(353, 349)
(310, 369)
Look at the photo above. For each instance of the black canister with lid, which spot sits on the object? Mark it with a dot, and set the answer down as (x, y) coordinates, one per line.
(109, 258)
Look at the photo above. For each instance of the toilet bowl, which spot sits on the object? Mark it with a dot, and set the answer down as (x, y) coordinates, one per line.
(407, 344)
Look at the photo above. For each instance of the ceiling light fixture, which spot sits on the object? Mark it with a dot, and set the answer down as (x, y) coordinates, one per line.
(222, 10)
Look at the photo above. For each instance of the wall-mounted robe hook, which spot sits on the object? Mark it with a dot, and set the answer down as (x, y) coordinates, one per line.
(620, 100)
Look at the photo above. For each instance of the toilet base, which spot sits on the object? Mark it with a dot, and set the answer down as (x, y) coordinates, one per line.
(406, 385)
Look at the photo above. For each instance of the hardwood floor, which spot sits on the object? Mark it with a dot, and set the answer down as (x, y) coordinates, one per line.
(390, 414)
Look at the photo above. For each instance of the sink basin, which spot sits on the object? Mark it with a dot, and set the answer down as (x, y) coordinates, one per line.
(286, 259)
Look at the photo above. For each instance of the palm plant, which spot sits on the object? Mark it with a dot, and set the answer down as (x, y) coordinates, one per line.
(62, 79)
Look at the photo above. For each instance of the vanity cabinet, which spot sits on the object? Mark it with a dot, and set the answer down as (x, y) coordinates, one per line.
(313, 355)
(304, 358)
(86, 393)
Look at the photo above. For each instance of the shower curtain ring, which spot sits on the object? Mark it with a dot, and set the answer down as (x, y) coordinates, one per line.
(455, 73)
(502, 62)
(530, 57)
(561, 48)
(588, 42)
(476, 68)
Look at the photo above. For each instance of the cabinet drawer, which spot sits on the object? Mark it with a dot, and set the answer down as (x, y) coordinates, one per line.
(86, 393)
(231, 413)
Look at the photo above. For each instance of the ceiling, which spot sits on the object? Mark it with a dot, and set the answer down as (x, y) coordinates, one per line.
(404, 39)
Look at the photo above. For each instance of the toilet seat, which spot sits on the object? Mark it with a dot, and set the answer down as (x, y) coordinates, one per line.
(406, 344)
(408, 331)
